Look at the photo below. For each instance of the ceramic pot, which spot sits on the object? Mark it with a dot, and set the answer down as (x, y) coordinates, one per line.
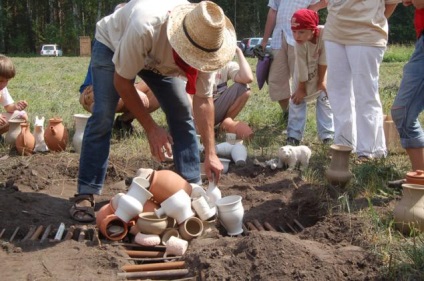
(103, 212)
(416, 177)
(138, 189)
(175, 247)
(391, 135)
(223, 149)
(25, 142)
(191, 228)
(147, 239)
(165, 183)
(226, 163)
(178, 206)
(80, 123)
(144, 173)
(56, 135)
(239, 154)
(150, 206)
(202, 208)
(115, 200)
(149, 223)
(109, 224)
(13, 132)
(231, 213)
(338, 172)
(213, 193)
(40, 143)
(409, 212)
(168, 233)
(128, 208)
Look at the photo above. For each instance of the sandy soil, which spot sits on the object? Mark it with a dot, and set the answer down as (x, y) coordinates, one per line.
(308, 242)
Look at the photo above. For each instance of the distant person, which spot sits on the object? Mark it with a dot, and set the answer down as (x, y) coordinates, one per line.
(409, 101)
(282, 45)
(309, 79)
(356, 34)
(13, 110)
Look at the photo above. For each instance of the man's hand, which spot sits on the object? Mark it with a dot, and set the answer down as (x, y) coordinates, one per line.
(160, 142)
(3, 121)
(259, 52)
(298, 96)
(21, 105)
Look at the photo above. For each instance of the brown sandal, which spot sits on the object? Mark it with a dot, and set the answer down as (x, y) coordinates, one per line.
(80, 212)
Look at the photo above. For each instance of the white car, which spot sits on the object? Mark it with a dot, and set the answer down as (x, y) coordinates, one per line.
(51, 50)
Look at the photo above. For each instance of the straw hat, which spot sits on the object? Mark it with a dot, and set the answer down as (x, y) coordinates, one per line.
(202, 35)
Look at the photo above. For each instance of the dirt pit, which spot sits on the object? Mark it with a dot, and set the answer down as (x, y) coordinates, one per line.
(304, 239)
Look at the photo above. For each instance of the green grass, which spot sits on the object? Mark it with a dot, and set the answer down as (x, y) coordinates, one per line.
(50, 85)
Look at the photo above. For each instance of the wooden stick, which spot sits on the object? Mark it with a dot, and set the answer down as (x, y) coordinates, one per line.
(14, 234)
(31, 231)
(155, 259)
(144, 254)
(153, 266)
(81, 235)
(291, 228)
(157, 274)
(2, 232)
(258, 225)
(245, 230)
(70, 233)
(251, 226)
(138, 246)
(299, 224)
(282, 229)
(46, 233)
(269, 227)
(37, 233)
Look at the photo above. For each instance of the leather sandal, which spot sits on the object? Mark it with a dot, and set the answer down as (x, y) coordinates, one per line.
(81, 212)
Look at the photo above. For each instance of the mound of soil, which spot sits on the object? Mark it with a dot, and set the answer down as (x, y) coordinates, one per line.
(300, 239)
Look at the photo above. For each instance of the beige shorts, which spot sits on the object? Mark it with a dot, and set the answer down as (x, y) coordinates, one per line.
(281, 71)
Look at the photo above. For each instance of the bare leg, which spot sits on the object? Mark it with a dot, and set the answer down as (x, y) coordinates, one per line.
(238, 105)
(416, 156)
(284, 104)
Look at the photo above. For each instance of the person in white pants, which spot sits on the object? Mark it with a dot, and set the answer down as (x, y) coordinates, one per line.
(356, 33)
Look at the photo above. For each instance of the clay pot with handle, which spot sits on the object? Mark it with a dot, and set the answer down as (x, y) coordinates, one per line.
(56, 135)
(25, 142)
(165, 183)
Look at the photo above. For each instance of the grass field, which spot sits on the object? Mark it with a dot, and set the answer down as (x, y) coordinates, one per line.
(51, 84)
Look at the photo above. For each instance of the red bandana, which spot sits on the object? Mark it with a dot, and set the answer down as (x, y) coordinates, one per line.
(305, 19)
(191, 73)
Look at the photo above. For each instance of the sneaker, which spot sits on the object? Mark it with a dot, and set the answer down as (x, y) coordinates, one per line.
(123, 128)
(292, 141)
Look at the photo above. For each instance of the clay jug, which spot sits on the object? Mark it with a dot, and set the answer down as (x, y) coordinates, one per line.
(56, 135)
(13, 132)
(109, 224)
(80, 123)
(416, 177)
(25, 142)
(409, 212)
(165, 183)
(338, 173)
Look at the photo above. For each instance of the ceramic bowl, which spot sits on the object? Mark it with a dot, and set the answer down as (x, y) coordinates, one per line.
(149, 223)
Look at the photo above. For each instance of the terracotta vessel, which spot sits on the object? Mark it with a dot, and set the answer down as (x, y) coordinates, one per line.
(416, 177)
(150, 206)
(13, 132)
(25, 142)
(338, 172)
(80, 123)
(149, 223)
(56, 135)
(409, 212)
(165, 183)
(191, 228)
(109, 224)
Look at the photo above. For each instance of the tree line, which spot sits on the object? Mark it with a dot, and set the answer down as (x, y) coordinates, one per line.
(27, 24)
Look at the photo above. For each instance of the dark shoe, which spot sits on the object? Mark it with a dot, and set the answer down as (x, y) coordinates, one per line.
(396, 184)
(292, 141)
(123, 128)
(327, 141)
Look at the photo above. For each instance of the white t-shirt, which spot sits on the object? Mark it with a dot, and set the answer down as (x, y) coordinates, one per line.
(5, 97)
(223, 75)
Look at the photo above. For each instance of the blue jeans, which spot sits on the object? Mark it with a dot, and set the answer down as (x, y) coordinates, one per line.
(171, 95)
(324, 119)
(409, 101)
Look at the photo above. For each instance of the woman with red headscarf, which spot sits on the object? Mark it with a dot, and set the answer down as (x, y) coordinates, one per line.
(309, 78)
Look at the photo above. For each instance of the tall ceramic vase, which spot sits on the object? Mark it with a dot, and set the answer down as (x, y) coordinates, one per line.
(409, 212)
(338, 173)
(165, 183)
(56, 135)
(231, 213)
(13, 132)
(80, 123)
(25, 142)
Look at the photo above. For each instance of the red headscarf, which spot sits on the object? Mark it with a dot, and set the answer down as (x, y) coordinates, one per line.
(191, 73)
(305, 19)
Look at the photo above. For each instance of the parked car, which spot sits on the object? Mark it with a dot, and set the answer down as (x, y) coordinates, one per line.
(251, 42)
(241, 45)
(53, 50)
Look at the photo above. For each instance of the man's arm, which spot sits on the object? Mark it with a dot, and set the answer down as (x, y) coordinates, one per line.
(390, 8)
(244, 75)
(203, 111)
(318, 6)
(271, 19)
(157, 136)
(418, 4)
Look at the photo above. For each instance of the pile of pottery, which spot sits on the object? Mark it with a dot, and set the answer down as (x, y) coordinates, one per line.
(231, 150)
(53, 138)
(161, 207)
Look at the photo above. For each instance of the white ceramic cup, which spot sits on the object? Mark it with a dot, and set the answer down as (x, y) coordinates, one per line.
(223, 149)
(168, 233)
(175, 246)
(177, 206)
(138, 189)
(128, 208)
(226, 163)
(202, 208)
(230, 138)
(239, 154)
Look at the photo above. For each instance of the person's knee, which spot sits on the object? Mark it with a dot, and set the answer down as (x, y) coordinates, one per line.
(398, 115)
